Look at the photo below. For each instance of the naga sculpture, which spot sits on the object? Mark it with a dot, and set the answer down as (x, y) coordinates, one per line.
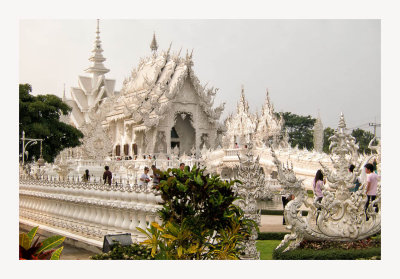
(341, 215)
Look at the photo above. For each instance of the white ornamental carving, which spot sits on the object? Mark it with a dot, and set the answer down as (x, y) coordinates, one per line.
(341, 215)
(251, 174)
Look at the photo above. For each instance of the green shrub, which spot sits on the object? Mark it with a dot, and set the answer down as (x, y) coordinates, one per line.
(271, 235)
(199, 219)
(132, 252)
(330, 250)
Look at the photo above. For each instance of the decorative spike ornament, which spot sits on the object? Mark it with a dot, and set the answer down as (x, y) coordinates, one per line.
(154, 45)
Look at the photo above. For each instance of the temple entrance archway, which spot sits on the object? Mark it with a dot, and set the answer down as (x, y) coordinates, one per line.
(183, 134)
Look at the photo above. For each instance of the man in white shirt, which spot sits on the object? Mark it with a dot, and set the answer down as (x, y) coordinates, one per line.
(372, 186)
(144, 178)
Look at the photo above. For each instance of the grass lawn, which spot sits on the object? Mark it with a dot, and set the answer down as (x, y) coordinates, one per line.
(266, 247)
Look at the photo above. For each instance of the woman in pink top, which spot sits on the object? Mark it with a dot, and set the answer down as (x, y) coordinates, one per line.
(318, 184)
(372, 185)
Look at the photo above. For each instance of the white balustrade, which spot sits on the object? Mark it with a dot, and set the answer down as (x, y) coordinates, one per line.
(89, 210)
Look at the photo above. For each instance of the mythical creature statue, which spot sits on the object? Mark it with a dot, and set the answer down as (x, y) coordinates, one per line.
(341, 216)
(252, 176)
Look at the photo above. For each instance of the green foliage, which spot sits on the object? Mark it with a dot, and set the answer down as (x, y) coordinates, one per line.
(39, 118)
(300, 130)
(132, 252)
(271, 236)
(29, 250)
(266, 248)
(328, 132)
(330, 250)
(362, 139)
(199, 219)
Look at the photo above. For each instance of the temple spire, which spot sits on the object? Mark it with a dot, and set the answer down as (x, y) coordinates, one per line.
(154, 45)
(318, 134)
(97, 59)
(64, 97)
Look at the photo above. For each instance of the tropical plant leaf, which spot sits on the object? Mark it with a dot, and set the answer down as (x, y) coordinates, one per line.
(169, 236)
(180, 250)
(51, 242)
(24, 241)
(32, 233)
(157, 226)
(56, 254)
(143, 231)
(46, 255)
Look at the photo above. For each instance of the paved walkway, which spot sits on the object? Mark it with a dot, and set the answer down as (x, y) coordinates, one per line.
(272, 223)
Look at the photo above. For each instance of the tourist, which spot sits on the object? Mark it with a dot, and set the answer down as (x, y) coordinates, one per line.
(144, 178)
(236, 145)
(182, 166)
(107, 175)
(86, 176)
(372, 185)
(356, 181)
(156, 176)
(318, 185)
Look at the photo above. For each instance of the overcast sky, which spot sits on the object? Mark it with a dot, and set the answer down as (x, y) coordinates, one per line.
(307, 65)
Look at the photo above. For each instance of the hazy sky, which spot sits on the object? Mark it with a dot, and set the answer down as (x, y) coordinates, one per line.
(330, 65)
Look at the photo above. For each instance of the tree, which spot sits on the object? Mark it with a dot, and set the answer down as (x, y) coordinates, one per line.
(328, 132)
(300, 129)
(362, 139)
(39, 117)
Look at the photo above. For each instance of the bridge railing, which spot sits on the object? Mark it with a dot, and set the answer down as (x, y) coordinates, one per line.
(88, 210)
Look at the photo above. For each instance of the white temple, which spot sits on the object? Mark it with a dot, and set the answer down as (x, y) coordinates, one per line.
(162, 115)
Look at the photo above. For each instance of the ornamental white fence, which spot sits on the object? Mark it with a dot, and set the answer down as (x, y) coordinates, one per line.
(87, 211)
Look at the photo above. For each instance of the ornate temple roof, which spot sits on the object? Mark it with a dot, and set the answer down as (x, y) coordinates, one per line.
(147, 94)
